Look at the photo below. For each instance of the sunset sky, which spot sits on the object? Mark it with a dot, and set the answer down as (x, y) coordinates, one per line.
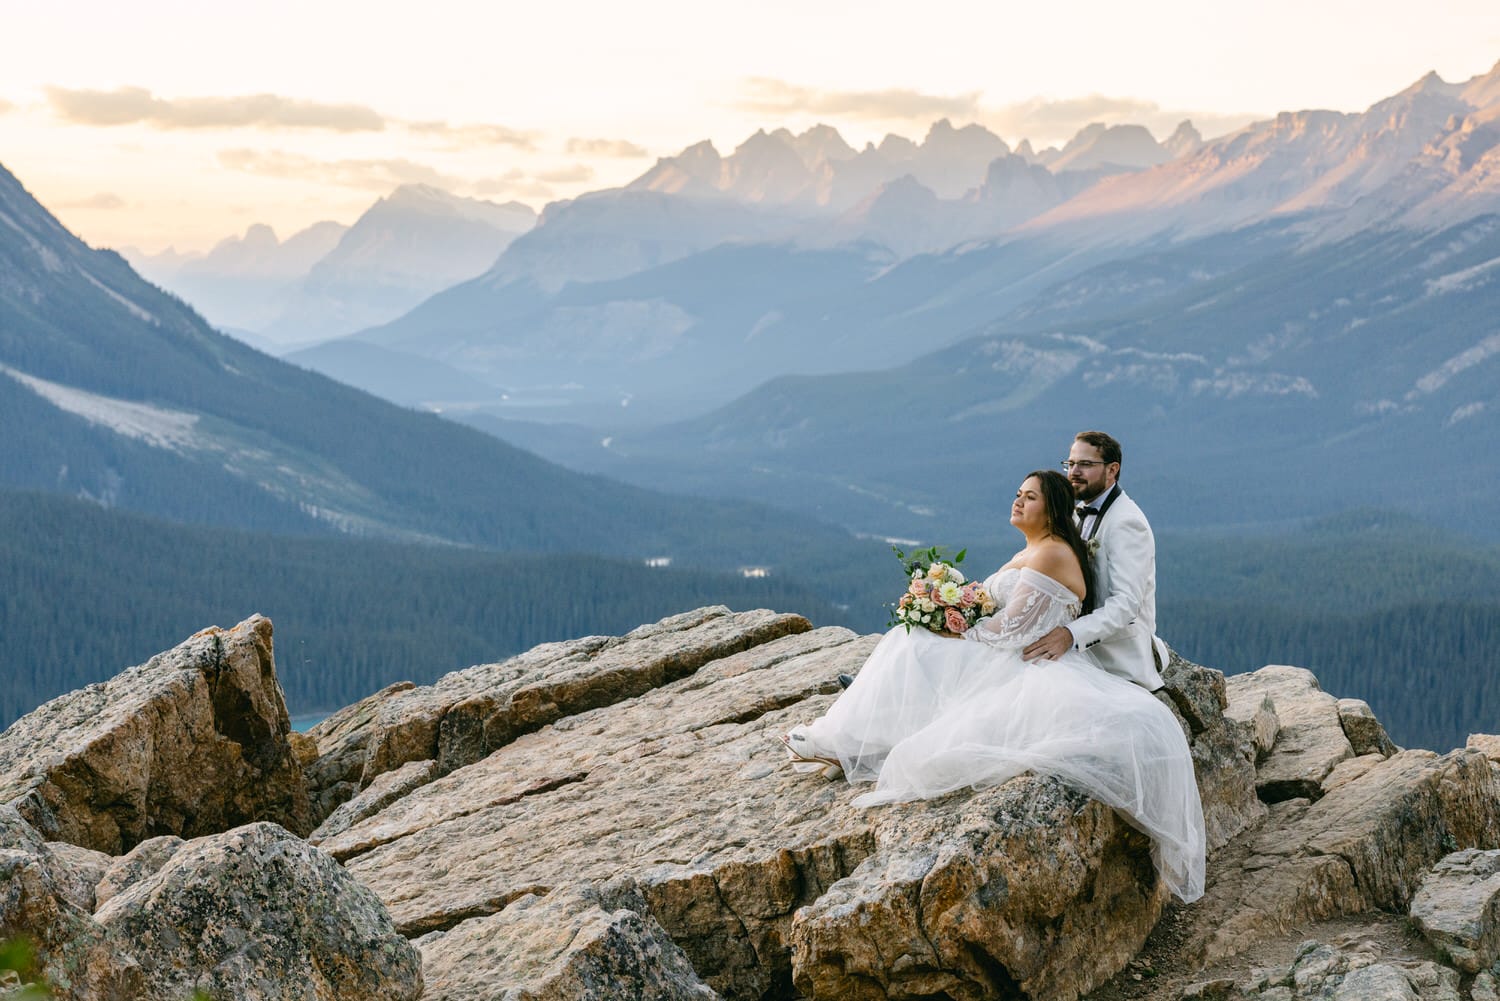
(163, 122)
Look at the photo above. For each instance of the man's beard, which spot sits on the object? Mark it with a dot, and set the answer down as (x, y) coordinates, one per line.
(1078, 492)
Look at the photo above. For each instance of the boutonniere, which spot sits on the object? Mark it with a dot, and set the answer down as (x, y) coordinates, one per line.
(1092, 546)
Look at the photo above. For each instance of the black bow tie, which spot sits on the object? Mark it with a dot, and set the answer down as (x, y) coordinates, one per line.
(1084, 512)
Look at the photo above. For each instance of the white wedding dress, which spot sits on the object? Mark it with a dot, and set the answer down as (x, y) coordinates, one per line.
(930, 714)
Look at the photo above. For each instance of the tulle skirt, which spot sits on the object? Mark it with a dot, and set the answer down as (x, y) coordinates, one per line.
(928, 715)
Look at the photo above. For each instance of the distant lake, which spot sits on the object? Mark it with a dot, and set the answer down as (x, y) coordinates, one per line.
(306, 722)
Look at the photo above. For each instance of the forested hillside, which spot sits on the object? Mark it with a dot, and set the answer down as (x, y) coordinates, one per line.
(1379, 606)
(86, 592)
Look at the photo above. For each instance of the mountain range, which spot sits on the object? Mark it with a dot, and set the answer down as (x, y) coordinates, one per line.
(113, 390)
(798, 255)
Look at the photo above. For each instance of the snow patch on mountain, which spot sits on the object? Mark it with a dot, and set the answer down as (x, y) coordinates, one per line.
(1437, 378)
(136, 311)
(173, 430)
(1459, 281)
(1463, 413)
(1229, 385)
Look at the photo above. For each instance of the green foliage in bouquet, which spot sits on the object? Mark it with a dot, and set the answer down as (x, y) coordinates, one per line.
(938, 598)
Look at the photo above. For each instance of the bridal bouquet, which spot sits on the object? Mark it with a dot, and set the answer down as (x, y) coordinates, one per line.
(938, 597)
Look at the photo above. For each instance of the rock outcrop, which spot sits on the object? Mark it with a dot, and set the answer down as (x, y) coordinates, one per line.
(192, 742)
(612, 817)
(1308, 734)
(1458, 908)
(468, 714)
(254, 914)
(1328, 973)
(258, 914)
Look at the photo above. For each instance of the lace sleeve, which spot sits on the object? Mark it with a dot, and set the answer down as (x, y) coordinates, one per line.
(1034, 606)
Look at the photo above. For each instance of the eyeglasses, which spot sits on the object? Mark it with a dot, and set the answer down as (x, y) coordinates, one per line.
(1084, 464)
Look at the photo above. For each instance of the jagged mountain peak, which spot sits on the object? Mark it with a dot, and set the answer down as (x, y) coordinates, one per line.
(1184, 140)
(822, 144)
(702, 150)
(1431, 83)
(257, 236)
(1097, 145)
(427, 200)
(896, 147)
(943, 136)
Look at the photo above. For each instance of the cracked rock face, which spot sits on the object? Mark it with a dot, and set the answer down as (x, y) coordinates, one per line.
(467, 714)
(1458, 908)
(42, 898)
(1327, 973)
(1308, 734)
(192, 742)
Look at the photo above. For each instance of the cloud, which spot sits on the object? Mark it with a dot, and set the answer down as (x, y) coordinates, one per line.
(605, 147)
(576, 174)
(104, 201)
(373, 175)
(131, 105)
(137, 105)
(469, 136)
(514, 184)
(778, 97)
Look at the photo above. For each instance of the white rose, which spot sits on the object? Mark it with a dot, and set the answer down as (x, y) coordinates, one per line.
(926, 618)
(927, 606)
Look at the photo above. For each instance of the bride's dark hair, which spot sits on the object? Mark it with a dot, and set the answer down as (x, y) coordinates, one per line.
(1057, 494)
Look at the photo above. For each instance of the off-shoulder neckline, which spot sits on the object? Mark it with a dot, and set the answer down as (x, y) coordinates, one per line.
(1041, 576)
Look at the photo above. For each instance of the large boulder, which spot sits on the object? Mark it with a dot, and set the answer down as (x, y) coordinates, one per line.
(1028, 890)
(192, 742)
(570, 945)
(467, 714)
(1458, 908)
(1367, 843)
(1309, 734)
(44, 899)
(1323, 972)
(257, 914)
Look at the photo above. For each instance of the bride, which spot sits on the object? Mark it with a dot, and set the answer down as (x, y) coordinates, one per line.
(930, 714)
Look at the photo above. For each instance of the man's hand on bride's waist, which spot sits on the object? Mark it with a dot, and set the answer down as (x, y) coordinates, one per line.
(1051, 646)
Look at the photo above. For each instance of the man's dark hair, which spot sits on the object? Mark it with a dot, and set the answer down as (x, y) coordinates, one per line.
(1109, 449)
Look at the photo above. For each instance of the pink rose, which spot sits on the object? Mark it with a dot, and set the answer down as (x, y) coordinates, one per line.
(955, 620)
(918, 588)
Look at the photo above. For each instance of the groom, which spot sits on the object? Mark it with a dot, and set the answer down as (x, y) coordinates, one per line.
(1120, 630)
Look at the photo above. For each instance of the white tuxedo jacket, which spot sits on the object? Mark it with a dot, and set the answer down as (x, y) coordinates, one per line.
(1121, 630)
